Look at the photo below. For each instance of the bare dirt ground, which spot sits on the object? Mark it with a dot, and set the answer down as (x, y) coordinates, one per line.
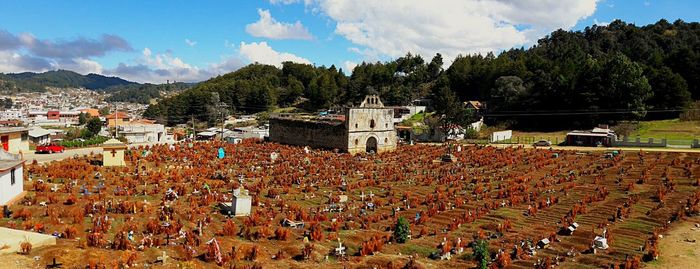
(677, 247)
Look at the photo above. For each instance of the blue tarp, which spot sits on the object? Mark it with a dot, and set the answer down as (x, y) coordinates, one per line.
(222, 154)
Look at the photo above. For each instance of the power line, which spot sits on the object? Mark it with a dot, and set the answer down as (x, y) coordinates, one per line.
(590, 112)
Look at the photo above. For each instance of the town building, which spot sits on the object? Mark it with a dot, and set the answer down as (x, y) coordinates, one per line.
(116, 119)
(11, 114)
(39, 136)
(113, 153)
(144, 132)
(367, 128)
(11, 177)
(92, 112)
(14, 139)
(53, 116)
(599, 136)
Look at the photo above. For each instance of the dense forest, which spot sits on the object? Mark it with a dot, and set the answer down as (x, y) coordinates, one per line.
(569, 79)
(37, 82)
(143, 93)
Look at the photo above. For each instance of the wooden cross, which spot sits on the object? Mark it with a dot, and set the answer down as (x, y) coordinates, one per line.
(114, 152)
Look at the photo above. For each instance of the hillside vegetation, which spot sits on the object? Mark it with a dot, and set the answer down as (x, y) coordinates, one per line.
(143, 93)
(569, 79)
(37, 82)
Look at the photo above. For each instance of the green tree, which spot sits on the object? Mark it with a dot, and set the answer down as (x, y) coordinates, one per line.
(94, 125)
(402, 230)
(670, 89)
(481, 253)
(6, 103)
(82, 118)
(435, 66)
(104, 111)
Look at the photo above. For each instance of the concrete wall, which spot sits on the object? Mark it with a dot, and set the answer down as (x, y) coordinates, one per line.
(9, 191)
(308, 133)
(13, 238)
(363, 123)
(502, 135)
(116, 160)
(638, 143)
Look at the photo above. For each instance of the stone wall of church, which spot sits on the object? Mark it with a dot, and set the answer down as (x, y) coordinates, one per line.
(364, 124)
(315, 134)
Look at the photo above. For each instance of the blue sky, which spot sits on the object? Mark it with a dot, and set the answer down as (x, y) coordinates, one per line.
(155, 41)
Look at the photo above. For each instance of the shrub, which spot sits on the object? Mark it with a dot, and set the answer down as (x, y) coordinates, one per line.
(402, 230)
(481, 253)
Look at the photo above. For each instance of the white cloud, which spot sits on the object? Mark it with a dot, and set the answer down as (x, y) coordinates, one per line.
(268, 27)
(82, 66)
(13, 62)
(159, 68)
(285, 2)
(348, 66)
(190, 42)
(262, 53)
(600, 23)
(450, 27)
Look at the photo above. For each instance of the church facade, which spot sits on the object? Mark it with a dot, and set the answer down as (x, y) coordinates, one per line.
(366, 128)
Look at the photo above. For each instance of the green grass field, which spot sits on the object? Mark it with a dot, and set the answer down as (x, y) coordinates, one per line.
(673, 130)
(669, 129)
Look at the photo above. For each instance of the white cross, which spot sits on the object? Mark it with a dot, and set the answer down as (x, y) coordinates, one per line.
(362, 196)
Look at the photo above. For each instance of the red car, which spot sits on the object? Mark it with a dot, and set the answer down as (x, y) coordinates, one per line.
(49, 149)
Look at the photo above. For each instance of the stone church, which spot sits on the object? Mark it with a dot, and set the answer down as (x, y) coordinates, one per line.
(367, 128)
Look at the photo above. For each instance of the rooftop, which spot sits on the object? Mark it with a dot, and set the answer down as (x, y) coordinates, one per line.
(9, 160)
(328, 119)
(7, 130)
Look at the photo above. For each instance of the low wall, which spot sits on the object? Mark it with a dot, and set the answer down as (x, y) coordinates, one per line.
(316, 134)
(650, 143)
(13, 238)
(502, 135)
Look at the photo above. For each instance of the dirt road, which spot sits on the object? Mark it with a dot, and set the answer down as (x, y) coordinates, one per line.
(41, 158)
(679, 247)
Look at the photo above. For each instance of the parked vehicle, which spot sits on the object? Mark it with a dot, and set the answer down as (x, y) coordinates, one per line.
(51, 148)
(542, 143)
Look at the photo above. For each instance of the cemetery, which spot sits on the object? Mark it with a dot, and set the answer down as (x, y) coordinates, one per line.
(258, 204)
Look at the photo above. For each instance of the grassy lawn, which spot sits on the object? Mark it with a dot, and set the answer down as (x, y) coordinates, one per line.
(669, 129)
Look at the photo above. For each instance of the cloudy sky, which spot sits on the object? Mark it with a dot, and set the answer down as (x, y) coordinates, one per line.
(155, 41)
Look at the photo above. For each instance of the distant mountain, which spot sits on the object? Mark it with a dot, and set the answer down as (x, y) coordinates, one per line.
(144, 93)
(37, 82)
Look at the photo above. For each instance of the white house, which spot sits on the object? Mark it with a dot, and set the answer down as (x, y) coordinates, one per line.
(11, 175)
(40, 136)
(144, 133)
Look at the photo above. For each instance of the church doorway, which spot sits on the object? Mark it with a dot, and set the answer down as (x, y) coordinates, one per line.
(371, 146)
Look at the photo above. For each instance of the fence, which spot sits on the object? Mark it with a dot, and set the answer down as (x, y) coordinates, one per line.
(530, 140)
(638, 142)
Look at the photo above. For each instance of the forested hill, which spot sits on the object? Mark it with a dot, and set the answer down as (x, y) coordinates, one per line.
(569, 79)
(144, 93)
(38, 82)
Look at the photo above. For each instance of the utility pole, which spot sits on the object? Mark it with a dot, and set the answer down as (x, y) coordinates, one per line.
(116, 121)
(194, 132)
(222, 106)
